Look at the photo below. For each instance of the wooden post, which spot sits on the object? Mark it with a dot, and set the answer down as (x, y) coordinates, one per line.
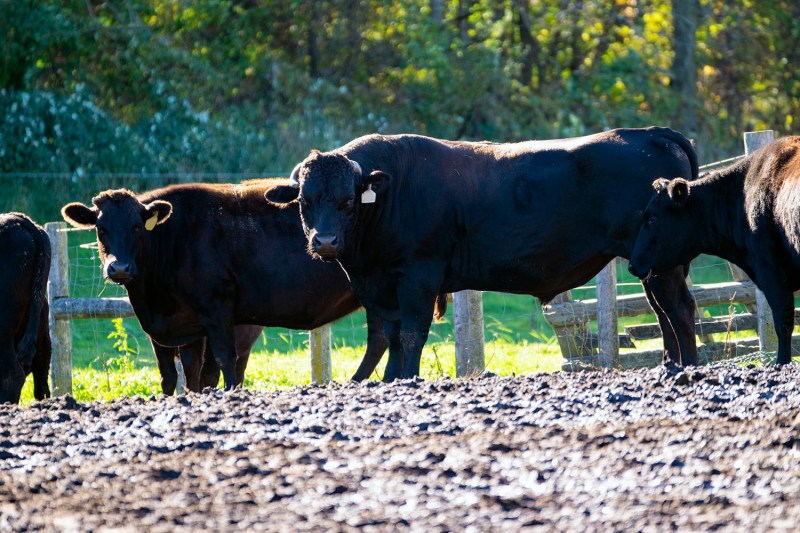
(573, 338)
(767, 337)
(60, 333)
(319, 342)
(468, 329)
(607, 324)
(180, 386)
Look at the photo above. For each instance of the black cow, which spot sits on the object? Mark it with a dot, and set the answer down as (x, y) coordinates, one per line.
(24, 329)
(748, 214)
(409, 217)
(198, 259)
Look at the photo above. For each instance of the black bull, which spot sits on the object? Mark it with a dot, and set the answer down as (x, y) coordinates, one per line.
(409, 217)
(198, 259)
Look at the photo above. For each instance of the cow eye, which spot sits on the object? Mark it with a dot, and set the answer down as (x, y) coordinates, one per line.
(305, 203)
(652, 220)
(101, 232)
(347, 204)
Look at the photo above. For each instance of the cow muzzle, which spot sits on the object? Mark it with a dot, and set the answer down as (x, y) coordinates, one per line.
(119, 272)
(638, 271)
(325, 245)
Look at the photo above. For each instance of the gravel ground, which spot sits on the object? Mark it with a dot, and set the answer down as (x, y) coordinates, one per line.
(648, 450)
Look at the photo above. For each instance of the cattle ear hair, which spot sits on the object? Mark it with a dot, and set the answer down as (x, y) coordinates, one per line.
(678, 191)
(79, 215)
(294, 177)
(660, 184)
(281, 195)
(378, 180)
(158, 208)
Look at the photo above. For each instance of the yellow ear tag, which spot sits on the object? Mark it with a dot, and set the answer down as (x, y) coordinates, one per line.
(151, 222)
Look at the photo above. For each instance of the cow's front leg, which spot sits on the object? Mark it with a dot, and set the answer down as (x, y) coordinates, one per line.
(675, 309)
(221, 341)
(417, 299)
(192, 361)
(376, 345)
(165, 357)
(394, 366)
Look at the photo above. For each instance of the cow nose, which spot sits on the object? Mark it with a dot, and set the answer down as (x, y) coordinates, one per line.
(636, 271)
(325, 243)
(118, 271)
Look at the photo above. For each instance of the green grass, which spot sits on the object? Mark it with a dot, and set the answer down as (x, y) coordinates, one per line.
(519, 340)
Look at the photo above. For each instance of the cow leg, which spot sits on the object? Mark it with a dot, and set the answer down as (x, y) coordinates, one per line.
(376, 345)
(165, 357)
(674, 306)
(192, 360)
(416, 311)
(246, 336)
(41, 359)
(394, 366)
(209, 374)
(222, 343)
(781, 301)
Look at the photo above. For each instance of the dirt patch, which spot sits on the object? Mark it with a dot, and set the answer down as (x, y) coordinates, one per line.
(709, 448)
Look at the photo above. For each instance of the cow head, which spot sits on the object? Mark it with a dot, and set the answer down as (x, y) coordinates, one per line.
(667, 236)
(123, 225)
(332, 189)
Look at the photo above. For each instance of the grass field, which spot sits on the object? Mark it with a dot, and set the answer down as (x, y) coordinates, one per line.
(113, 359)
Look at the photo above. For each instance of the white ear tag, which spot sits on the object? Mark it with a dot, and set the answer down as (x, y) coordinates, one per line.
(368, 196)
(151, 222)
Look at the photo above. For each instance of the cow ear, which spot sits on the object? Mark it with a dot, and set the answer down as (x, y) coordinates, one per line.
(660, 184)
(79, 215)
(678, 191)
(377, 182)
(156, 212)
(281, 195)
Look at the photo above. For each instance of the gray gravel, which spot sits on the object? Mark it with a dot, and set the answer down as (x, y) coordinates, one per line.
(650, 450)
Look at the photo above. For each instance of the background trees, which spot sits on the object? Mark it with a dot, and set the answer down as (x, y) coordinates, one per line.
(144, 86)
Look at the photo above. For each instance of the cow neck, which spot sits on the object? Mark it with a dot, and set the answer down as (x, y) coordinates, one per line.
(720, 206)
(153, 271)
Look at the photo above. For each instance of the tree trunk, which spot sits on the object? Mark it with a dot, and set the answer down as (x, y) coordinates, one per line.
(685, 14)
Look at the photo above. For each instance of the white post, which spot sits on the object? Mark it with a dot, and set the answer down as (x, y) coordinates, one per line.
(767, 337)
(319, 343)
(607, 324)
(60, 333)
(468, 329)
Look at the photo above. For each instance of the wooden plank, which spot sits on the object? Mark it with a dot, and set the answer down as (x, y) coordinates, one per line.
(720, 324)
(57, 289)
(319, 343)
(607, 321)
(559, 315)
(468, 331)
(753, 140)
(80, 308)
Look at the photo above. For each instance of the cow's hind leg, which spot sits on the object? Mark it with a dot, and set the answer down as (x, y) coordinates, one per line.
(675, 308)
(781, 302)
(41, 360)
(376, 345)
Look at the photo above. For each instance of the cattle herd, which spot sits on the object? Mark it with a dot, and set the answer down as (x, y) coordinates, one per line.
(393, 224)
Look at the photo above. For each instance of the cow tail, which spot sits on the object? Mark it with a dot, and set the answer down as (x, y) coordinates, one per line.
(26, 348)
(440, 307)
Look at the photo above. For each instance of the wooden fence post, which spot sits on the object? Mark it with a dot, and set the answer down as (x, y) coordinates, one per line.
(319, 343)
(767, 337)
(60, 333)
(607, 322)
(468, 330)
